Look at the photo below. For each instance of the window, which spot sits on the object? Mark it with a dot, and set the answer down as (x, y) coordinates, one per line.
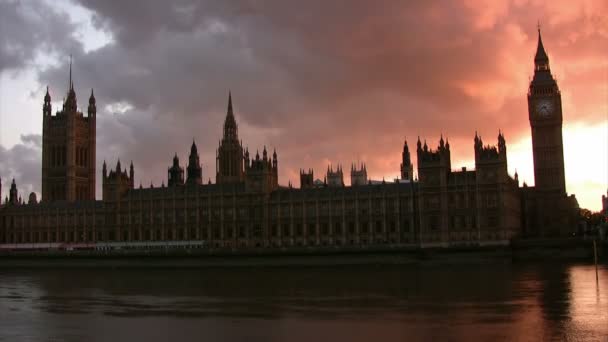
(275, 230)
(286, 230)
(257, 231)
(364, 229)
(378, 227)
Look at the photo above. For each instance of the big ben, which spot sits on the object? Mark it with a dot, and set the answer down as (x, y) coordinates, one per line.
(545, 114)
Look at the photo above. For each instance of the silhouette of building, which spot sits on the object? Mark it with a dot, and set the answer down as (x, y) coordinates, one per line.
(358, 175)
(548, 210)
(246, 207)
(68, 149)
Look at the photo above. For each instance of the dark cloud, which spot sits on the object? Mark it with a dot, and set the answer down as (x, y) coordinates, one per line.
(323, 81)
(28, 28)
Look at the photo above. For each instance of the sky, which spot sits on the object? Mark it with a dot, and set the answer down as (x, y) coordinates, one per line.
(323, 82)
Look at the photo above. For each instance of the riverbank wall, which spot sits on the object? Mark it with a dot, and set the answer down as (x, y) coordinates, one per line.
(563, 250)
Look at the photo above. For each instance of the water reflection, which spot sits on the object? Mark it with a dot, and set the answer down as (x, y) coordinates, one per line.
(504, 302)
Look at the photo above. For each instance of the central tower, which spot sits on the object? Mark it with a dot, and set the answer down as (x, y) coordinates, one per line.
(68, 149)
(229, 164)
(545, 114)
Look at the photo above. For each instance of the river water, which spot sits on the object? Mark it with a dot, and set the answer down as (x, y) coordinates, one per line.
(498, 302)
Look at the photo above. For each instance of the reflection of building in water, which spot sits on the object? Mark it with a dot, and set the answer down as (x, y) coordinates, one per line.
(247, 207)
(604, 224)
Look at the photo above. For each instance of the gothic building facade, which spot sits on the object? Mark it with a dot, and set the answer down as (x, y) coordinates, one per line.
(68, 149)
(246, 206)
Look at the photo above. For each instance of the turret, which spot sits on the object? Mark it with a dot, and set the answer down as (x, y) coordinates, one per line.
(262, 173)
(246, 157)
(306, 179)
(32, 199)
(92, 110)
(116, 183)
(13, 194)
(194, 170)
(358, 175)
(490, 153)
(434, 165)
(176, 173)
(335, 178)
(132, 175)
(46, 107)
(407, 169)
(491, 161)
(502, 145)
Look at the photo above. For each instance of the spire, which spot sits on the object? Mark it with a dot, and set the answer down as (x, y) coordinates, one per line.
(71, 83)
(118, 168)
(46, 107)
(541, 60)
(47, 96)
(193, 149)
(92, 110)
(131, 175)
(230, 101)
(70, 103)
(230, 127)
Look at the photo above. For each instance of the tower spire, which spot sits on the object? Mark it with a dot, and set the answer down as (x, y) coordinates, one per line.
(70, 103)
(71, 83)
(541, 60)
(230, 103)
(230, 127)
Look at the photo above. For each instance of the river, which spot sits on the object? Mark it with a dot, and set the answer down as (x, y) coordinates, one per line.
(494, 302)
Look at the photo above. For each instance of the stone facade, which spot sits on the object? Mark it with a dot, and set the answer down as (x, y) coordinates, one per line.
(246, 207)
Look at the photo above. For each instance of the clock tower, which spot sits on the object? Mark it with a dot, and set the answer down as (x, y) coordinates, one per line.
(545, 114)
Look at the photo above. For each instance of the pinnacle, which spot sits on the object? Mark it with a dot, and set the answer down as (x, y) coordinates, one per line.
(541, 54)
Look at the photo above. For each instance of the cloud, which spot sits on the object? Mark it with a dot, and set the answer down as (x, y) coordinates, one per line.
(22, 162)
(30, 28)
(322, 81)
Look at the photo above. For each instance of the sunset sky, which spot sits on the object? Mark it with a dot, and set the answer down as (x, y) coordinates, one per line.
(321, 81)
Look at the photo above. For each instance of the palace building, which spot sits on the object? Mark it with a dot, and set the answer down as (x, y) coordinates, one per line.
(246, 206)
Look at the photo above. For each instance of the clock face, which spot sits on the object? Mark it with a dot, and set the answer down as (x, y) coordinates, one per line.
(544, 108)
